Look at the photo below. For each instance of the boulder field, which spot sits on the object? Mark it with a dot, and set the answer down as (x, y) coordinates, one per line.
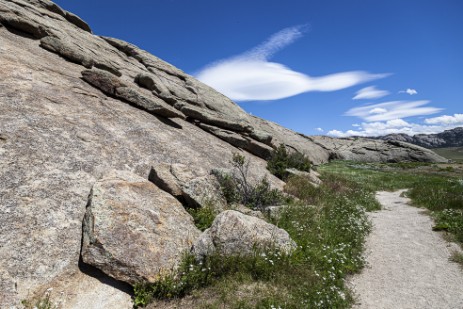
(103, 144)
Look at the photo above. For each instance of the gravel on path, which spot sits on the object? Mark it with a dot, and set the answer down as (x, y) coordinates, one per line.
(407, 263)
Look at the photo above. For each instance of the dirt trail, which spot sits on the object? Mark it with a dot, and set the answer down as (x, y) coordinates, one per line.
(408, 264)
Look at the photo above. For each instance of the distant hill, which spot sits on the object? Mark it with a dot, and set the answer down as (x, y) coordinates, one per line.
(448, 138)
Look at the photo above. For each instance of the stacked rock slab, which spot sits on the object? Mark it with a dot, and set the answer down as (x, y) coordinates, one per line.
(61, 133)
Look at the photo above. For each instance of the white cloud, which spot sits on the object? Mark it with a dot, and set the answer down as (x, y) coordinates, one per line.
(251, 77)
(393, 126)
(319, 129)
(392, 110)
(378, 110)
(370, 93)
(409, 91)
(446, 120)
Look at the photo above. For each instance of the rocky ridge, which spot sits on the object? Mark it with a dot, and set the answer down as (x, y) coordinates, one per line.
(448, 138)
(85, 122)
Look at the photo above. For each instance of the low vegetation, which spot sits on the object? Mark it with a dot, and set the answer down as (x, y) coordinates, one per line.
(328, 224)
(282, 159)
(237, 188)
(438, 188)
(453, 153)
(42, 303)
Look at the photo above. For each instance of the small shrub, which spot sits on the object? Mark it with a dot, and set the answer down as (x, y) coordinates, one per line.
(281, 160)
(457, 257)
(236, 187)
(203, 216)
(42, 303)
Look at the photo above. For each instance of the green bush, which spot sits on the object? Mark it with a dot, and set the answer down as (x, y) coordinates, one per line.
(203, 216)
(236, 187)
(281, 160)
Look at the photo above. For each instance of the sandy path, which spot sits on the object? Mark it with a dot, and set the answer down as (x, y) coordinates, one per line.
(408, 263)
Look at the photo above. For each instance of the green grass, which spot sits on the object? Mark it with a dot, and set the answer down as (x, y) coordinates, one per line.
(329, 225)
(437, 188)
(329, 237)
(453, 153)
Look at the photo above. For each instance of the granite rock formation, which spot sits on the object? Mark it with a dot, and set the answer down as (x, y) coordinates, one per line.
(75, 106)
(448, 138)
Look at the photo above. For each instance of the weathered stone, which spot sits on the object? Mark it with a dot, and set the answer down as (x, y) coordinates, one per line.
(107, 67)
(448, 138)
(61, 131)
(105, 81)
(162, 177)
(12, 16)
(153, 105)
(195, 188)
(212, 118)
(154, 83)
(234, 233)
(371, 150)
(247, 211)
(237, 140)
(134, 231)
(258, 149)
(230, 137)
(76, 20)
(293, 140)
(262, 136)
(66, 50)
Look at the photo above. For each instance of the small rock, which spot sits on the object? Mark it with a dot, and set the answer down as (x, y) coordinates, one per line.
(234, 233)
(133, 231)
(247, 211)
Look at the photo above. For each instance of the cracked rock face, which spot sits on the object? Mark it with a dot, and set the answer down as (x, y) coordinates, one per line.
(134, 231)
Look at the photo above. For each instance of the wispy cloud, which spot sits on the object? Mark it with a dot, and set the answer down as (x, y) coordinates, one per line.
(319, 129)
(370, 92)
(409, 91)
(456, 119)
(251, 76)
(392, 110)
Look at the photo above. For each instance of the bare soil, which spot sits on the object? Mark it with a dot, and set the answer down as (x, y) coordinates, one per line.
(407, 263)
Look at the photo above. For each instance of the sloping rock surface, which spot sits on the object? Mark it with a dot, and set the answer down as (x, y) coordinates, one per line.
(448, 138)
(234, 233)
(134, 231)
(60, 133)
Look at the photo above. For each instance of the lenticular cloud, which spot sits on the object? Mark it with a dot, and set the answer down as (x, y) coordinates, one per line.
(251, 77)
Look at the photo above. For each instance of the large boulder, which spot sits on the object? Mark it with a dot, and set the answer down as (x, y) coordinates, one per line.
(134, 231)
(234, 233)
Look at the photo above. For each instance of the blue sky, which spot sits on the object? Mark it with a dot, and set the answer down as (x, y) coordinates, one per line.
(302, 63)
